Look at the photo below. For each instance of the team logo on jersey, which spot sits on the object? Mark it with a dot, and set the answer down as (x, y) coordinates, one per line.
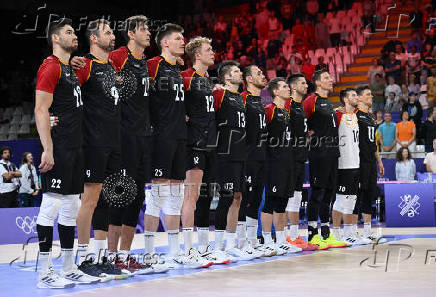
(409, 205)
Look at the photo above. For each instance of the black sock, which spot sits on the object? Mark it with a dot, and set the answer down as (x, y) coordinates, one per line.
(311, 232)
(325, 231)
(45, 237)
(66, 236)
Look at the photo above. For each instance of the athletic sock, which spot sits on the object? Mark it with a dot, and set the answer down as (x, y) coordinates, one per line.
(230, 240)
(82, 253)
(336, 232)
(241, 233)
(68, 259)
(252, 226)
(293, 232)
(325, 230)
(354, 226)
(280, 237)
(348, 230)
(99, 249)
(267, 237)
(45, 261)
(123, 254)
(149, 242)
(312, 229)
(366, 229)
(219, 239)
(203, 239)
(187, 239)
(173, 243)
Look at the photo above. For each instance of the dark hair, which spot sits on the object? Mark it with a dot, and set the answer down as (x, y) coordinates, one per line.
(5, 148)
(225, 69)
(378, 75)
(429, 112)
(54, 28)
(360, 89)
(274, 85)
(294, 77)
(24, 159)
(166, 30)
(344, 93)
(400, 154)
(401, 117)
(93, 28)
(132, 23)
(317, 75)
(247, 72)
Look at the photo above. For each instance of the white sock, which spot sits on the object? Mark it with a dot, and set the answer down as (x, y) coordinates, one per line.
(82, 253)
(219, 239)
(252, 226)
(336, 232)
(280, 236)
(173, 242)
(241, 233)
(187, 239)
(348, 230)
(313, 224)
(355, 229)
(123, 254)
(293, 232)
(203, 239)
(366, 229)
(149, 242)
(99, 250)
(44, 260)
(267, 237)
(230, 240)
(68, 259)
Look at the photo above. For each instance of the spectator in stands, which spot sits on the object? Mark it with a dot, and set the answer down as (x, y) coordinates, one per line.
(392, 87)
(28, 182)
(321, 64)
(377, 90)
(393, 68)
(295, 63)
(413, 63)
(376, 68)
(310, 34)
(321, 32)
(430, 37)
(392, 103)
(429, 129)
(405, 168)
(308, 69)
(301, 48)
(430, 159)
(400, 55)
(413, 107)
(378, 118)
(405, 134)
(312, 7)
(387, 133)
(431, 87)
(262, 22)
(8, 182)
(274, 26)
(299, 30)
(413, 87)
(414, 42)
(334, 30)
(220, 26)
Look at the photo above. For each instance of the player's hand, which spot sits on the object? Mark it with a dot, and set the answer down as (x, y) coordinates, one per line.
(218, 87)
(180, 61)
(310, 133)
(35, 193)
(77, 62)
(47, 162)
(186, 118)
(54, 120)
(381, 169)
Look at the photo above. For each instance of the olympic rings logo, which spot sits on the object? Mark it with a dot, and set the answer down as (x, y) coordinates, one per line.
(26, 224)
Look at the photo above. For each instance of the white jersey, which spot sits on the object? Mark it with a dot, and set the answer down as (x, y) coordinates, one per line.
(348, 140)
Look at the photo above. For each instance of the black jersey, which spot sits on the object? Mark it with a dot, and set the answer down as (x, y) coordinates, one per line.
(321, 118)
(230, 119)
(134, 91)
(367, 143)
(167, 99)
(298, 128)
(200, 109)
(57, 77)
(279, 133)
(256, 127)
(101, 108)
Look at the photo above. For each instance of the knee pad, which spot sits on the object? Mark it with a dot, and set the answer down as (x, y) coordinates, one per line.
(348, 204)
(69, 210)
(280, 205)
(173, 205)
(268, 207)
(49, 209)
(158, 195)
(339, 203)
(294, 203)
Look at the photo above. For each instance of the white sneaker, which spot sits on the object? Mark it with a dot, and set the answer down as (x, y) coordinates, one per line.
(191, 261)
(157, 264)
(362, 240)
(216, 257)
(285, 248)
(241, 255)
(376, 238)
(79, 276)
(266, 250)
(249, 248)
(51, 280)
(350, 240)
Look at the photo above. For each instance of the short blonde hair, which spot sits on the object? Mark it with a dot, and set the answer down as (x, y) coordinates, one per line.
(194, 46)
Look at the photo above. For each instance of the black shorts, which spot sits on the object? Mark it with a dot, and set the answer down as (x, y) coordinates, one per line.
(299, 170)
(279, 181)
(100, 162)
(204, 160)
(323, 171)
(231, 175)
(348, 181)
(136, 157)
(66, 176)
(368, 176)
(168, 158)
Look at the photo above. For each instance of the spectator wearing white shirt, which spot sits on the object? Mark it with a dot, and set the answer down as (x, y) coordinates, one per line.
(29, 187)
(405, 168)
(430, 159)
(335, 30)
(392, 87)
(8, 185)
(413, 63)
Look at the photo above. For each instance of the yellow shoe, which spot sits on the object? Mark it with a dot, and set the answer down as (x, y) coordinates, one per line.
(334, 243)
(320, 242)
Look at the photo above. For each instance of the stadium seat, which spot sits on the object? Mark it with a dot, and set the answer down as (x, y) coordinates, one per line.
(24, 129)
(16, 120)
(32, 120)
(26, 119)
(13, 129)
(18, 110)
(4, 129)
(12, 136)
